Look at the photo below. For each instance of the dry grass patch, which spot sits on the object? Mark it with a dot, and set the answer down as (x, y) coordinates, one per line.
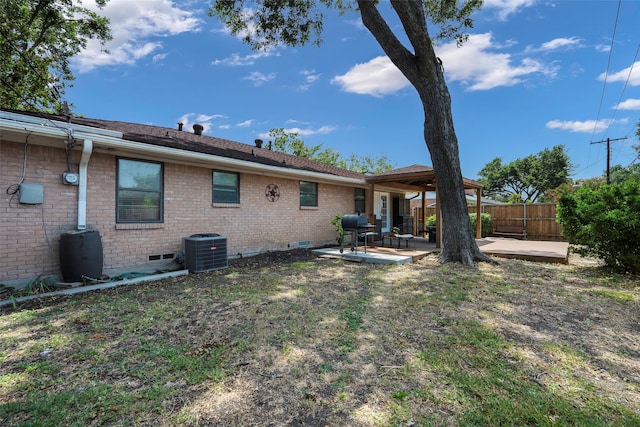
(298, 340)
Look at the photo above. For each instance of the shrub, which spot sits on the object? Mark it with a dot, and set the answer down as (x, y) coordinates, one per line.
(604, 221)
(485, 218)
(337, 222)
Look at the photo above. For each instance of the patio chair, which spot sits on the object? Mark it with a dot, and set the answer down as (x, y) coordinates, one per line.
(365, 236)
(406, 237)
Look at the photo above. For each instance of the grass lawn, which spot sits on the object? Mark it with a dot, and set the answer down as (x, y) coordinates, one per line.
(323, 342)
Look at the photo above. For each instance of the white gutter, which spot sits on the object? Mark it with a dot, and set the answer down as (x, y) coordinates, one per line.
(182, 156)
(87, 148)
(21, 121)
(110, 140)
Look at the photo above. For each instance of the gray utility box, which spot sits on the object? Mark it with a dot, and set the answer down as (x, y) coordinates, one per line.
(205, 252)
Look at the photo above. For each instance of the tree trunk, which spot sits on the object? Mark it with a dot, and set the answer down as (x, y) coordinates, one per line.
(424, 71)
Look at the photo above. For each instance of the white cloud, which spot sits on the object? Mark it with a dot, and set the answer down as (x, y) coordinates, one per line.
(159, 57)
(259, 79)
(378, 77)
(629, 104)
(557, 44)
(302, 131)
(356, 23)
(308, 131)
(189, 119)
(244, 124)
(208, 118)
(561, 43)
(310, 77)
(505, 8)
(586, 126)
(477, 66)
(134, 26)
(237, 60)
(632, 73)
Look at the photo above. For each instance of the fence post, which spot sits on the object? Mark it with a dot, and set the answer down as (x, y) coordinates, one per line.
(524, 217)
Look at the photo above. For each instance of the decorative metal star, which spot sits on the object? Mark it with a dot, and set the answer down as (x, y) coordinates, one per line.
(272, 192)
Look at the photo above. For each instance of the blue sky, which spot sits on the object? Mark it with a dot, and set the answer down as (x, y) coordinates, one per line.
(533, 74)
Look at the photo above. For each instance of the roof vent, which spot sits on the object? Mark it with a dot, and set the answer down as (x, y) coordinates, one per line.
(180, 124)
(197, 129)
(258, 143)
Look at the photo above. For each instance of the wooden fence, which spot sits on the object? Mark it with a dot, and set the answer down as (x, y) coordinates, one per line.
(538, 219)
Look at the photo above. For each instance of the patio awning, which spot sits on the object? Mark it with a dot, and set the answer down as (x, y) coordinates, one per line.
(414, 178)
(420, 178)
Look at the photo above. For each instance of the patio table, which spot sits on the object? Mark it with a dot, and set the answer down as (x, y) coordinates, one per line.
(400, 238)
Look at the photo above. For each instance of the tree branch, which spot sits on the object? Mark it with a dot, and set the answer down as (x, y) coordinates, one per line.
(40, 6)
(411, 14)
(387, 39)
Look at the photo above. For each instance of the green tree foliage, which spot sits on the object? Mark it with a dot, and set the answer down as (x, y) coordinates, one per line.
(553, 195)
(291, 143)
(266, 23)
(37, 39)
(603, 221)
(367, 164)
(526, 180)
(619, 173)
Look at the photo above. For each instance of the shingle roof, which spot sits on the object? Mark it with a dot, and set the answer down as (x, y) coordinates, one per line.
(413, 169)
(416, 175)
(184, 140)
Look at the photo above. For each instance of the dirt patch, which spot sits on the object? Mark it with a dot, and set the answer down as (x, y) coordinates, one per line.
(270, 259)
(287, 338)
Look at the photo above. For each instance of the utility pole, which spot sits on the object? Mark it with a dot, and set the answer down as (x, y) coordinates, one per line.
(608, 141)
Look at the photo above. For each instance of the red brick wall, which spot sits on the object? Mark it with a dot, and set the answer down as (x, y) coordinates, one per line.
(30, 234)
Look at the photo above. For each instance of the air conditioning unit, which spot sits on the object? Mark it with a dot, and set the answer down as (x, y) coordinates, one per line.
(205, 252)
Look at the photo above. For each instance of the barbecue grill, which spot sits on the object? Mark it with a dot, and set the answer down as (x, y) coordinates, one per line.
(358, 226)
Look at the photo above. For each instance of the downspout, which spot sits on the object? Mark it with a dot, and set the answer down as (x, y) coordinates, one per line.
(87, 148)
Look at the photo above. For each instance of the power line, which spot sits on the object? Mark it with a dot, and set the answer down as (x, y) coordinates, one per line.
(606, 75)
(633, 63)
(608, 141)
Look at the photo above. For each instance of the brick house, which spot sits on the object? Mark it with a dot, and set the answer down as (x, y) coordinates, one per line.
(144, 188)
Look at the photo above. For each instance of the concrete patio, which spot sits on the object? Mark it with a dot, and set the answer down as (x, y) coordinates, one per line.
(530, 250)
